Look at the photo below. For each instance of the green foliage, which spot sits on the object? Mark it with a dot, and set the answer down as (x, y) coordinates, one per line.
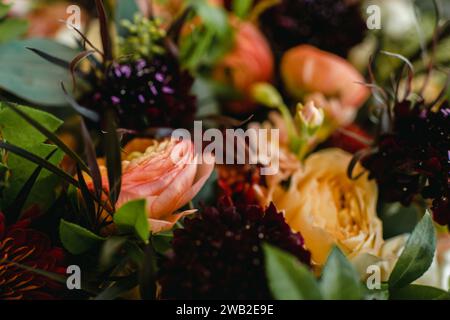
(10, 28)
(242, 7)
(417, 256)
(132, 218)
(417, 292)
(44, 191)
(76, 239)
(288, 279)
(340, 281)
(29, 77)
(209, 40)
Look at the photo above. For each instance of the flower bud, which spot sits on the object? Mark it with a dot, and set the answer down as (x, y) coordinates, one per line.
(267, 95)
(309, 115)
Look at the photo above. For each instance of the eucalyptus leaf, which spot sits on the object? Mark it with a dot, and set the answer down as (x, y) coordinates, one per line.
(30, 77)
(340, 280)
(132, 218)
(417, 256)
(76, 239)
(288, 279)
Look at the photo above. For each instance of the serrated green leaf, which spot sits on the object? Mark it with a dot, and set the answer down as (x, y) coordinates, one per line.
(340, 281)
(417, 256)
(76, 239)
(30, 77)
(132, 218)
(417, 292)
(288, 279)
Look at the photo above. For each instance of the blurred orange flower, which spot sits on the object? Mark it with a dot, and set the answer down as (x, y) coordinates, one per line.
(330, 81)
(249, 62)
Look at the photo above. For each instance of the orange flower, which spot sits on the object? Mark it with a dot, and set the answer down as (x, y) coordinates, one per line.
(250, 61)
(312, 74)
(166, 174)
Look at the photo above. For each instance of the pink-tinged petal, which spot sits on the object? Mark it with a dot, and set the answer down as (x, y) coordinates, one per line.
(168, 202)
(203, 172)
(157, 226)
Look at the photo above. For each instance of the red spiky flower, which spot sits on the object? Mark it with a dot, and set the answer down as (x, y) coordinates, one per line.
(21, 245)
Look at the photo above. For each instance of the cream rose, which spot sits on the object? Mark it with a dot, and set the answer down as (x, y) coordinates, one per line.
(328, 208)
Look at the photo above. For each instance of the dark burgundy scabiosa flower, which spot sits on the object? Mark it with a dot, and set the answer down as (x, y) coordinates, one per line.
(22, 245)
(218, 254)
(412, 158)
(332, 25)
(145, 93)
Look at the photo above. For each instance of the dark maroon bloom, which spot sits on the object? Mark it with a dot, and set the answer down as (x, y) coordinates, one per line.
(331, 25)
(412, 158)
(145, 94)
(218, 254)
(21, 245)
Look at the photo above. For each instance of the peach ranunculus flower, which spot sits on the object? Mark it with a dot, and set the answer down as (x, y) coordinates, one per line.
(165, 173)
(328, 208)
(310, 74)
(249, 62)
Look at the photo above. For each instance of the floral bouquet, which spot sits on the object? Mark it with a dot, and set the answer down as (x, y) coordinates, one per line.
(246, 149)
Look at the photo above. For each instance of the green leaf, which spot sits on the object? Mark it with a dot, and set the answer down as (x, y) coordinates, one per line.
(340, 281)
(12, 29)
(118, 288)
(288, 278)
(417, 256)
(109, 252)
(4, 9)
(417, 292)
(132, 218)
(30, 77)
(210, 40)
(242, 7)
(44, 191)
(11, 122)
(125, 10)
(52, 137)
(76, 239)
(377, 294)
(162, 242)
